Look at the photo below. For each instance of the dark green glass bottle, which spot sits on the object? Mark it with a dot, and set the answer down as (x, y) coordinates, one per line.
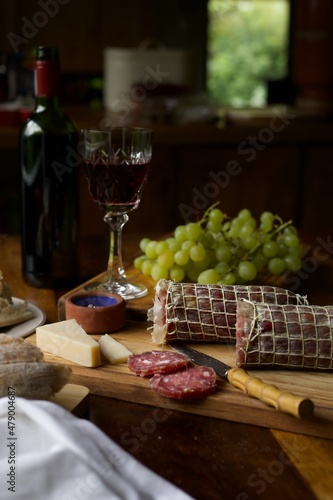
(50, 168)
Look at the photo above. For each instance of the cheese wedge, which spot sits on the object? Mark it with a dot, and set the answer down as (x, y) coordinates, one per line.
(112, 350)
(68, 340)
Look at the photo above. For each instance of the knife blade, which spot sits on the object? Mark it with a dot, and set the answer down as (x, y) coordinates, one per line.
(252, 386)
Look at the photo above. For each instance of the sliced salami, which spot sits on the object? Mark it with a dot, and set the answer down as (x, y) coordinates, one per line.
(206, 313)
(148, 363)
(296, 337)
(194, 383)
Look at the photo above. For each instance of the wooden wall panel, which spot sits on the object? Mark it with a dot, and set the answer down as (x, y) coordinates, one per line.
(317, 202)
(80, 28)
(268, 182)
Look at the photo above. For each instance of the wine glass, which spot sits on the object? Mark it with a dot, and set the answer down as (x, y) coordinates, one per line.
(116, 165)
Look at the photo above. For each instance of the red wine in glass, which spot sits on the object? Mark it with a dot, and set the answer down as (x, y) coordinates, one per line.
(116, 185)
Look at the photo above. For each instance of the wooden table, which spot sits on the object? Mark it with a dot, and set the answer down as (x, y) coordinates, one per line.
(208, 458)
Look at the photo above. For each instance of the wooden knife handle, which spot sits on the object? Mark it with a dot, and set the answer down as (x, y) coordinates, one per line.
(267, 393)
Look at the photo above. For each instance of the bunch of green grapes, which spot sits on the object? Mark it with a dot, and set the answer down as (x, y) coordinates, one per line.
(222, 250)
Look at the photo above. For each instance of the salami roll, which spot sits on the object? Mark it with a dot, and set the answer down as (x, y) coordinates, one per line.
(194, 383)
(290, 336)
(148, 363)
(206, 313)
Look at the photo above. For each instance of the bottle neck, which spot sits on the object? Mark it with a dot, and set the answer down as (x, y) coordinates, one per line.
(47, 79)
(46, 102)
(47, 84)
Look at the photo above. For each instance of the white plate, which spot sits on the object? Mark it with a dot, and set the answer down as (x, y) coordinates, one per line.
(27, 327)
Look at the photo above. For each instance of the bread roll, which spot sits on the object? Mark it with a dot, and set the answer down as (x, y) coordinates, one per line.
(10, 313)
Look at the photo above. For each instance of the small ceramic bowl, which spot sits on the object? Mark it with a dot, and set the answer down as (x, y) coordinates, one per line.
(97, 312)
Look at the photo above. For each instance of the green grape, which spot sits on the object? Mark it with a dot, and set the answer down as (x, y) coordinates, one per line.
(227, 279)
(161, 246)
(265, 228)
(283, 250)
(197, 252)
(214, 226)
(187, 245)
(138, 261)
(205, 263)
(235, 227)
(250, 242)
(226, 227)
(222, 268)
(293, 262)
(270, 249)
(146, 267)
(166, 259)
(223, 253)
(267, 217)
(173, 244)
(209, 276)
(177, 273)
(193, 230)
(244, 214)
(150, 249)
(291, 240)
(276, 265)
(143, 244)
(181, 257)
(290, 230)
(266, 222)
(246, 229)
(180, 233)
(158, 272)
(216, 215)
(247, 270)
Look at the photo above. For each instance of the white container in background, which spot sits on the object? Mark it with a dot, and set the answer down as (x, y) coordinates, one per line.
(131, 75)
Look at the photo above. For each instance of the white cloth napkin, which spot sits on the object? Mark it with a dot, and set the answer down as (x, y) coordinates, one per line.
(46, 453)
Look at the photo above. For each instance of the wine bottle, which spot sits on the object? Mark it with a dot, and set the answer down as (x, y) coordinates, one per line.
(50, 189)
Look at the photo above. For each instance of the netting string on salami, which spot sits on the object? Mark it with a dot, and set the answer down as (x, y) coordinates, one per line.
(207, 313)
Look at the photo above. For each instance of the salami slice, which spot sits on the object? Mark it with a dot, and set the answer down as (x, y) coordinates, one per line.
(206, 313)
(147, 364)
(194, 383)
(291, 336)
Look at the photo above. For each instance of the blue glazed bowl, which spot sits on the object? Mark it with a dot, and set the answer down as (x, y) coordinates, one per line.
(97, 312)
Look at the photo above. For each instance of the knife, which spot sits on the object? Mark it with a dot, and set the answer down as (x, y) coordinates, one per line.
(252, 386)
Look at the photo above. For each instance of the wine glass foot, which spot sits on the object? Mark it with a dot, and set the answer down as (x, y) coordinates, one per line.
(126, 290)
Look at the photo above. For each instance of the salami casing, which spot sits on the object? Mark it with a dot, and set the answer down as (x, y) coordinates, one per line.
(290, 336)
(206, 313)
(194, 383)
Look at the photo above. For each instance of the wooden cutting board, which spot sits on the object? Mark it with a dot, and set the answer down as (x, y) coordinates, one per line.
(227, 403)
(74, 398)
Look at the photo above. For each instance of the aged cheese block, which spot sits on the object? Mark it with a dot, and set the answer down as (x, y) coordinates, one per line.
(112, 350)
(68, 340)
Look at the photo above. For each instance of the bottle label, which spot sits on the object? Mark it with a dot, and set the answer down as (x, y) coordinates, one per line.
(47, 78)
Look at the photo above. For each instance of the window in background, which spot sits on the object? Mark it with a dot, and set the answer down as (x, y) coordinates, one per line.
(247, 47)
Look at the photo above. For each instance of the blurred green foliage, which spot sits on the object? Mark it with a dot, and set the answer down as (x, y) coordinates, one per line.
(247, 45)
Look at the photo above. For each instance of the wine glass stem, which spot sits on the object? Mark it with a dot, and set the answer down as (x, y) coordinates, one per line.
(116, 272)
